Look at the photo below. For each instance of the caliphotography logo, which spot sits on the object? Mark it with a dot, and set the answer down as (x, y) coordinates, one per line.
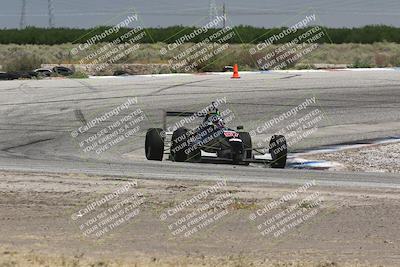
(199, 133)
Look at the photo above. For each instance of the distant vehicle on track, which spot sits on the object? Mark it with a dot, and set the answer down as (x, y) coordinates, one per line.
(64, 71)
(44, 72)
(14, 75)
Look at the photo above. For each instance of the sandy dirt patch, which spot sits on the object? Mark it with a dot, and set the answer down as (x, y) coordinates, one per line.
(351, 227)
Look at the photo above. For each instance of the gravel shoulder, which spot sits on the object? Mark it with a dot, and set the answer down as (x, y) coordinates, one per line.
(374, 158)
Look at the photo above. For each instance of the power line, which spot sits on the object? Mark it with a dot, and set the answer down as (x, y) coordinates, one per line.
(232, 12)
(212, 10)
(22, 22)
(224, 14)
(51, 13)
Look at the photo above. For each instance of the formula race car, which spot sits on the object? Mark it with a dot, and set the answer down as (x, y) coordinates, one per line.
(211, 142)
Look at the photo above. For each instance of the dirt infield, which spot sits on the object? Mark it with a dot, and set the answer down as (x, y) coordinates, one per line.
(353, 227)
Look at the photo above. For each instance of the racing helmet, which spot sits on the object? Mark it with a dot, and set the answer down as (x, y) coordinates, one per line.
(213, 117)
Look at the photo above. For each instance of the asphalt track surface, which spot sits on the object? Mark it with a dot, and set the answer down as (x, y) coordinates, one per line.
(37, 118)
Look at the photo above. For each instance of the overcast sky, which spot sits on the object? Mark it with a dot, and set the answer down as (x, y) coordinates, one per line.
(267, 13)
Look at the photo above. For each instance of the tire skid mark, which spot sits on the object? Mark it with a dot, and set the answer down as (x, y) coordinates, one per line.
(187, 93)
(291, 76)
(27, 144)
(176, 85)
(87, 85)
(79, 116)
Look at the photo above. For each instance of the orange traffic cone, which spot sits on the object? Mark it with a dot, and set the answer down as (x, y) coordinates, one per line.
(235, 72)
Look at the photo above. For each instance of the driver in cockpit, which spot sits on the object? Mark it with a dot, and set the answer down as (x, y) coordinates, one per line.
(213, 117)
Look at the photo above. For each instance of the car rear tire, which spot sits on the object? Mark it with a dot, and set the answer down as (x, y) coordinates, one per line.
(278, 150)
(237, 151)
(154, 144)
(247, 146)
(179, 145)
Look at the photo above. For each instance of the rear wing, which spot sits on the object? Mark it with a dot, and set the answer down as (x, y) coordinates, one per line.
(179, 114)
